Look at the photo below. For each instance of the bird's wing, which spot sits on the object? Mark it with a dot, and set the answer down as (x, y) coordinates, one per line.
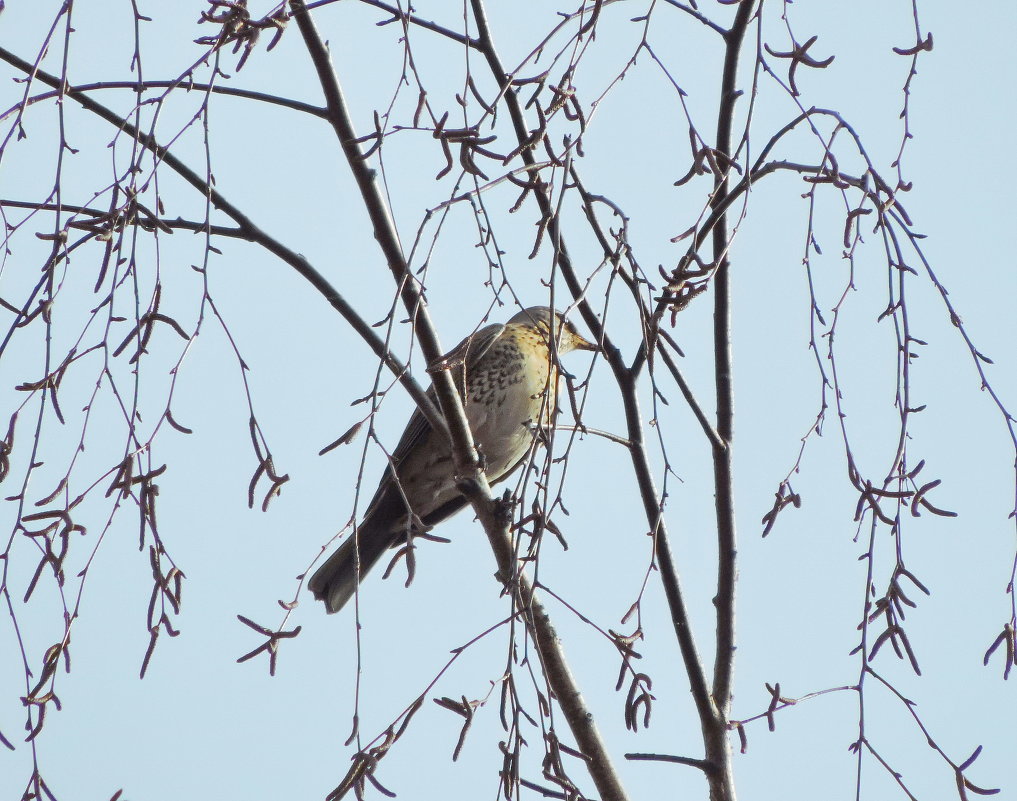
(468, 352)
(460, 360)
(463, 358)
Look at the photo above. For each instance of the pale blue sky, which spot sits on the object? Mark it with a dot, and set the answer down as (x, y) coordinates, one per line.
(201, 726)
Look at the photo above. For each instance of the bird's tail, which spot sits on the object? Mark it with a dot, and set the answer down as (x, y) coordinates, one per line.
(336, 580)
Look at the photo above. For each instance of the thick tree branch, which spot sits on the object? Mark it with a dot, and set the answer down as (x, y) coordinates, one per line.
(473, 483)
(725, 602)
(718, 748)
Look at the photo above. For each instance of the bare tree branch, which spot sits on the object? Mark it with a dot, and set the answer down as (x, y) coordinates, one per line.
(473, 482)
(251, 232)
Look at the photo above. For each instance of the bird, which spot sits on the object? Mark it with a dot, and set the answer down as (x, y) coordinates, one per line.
(508, 381)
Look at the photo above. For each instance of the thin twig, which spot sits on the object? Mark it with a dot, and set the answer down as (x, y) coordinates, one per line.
(252, 233)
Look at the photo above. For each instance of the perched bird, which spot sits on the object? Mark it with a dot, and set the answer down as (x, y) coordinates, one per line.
(508, 382)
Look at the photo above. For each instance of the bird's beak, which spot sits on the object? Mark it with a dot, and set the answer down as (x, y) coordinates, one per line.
(585, 344)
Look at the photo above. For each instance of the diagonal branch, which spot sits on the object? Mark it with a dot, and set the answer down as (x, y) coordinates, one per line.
(248, 230)
(474, 481)
(626, 380)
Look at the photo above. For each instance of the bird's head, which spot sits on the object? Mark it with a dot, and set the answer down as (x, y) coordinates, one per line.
(566, 335)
